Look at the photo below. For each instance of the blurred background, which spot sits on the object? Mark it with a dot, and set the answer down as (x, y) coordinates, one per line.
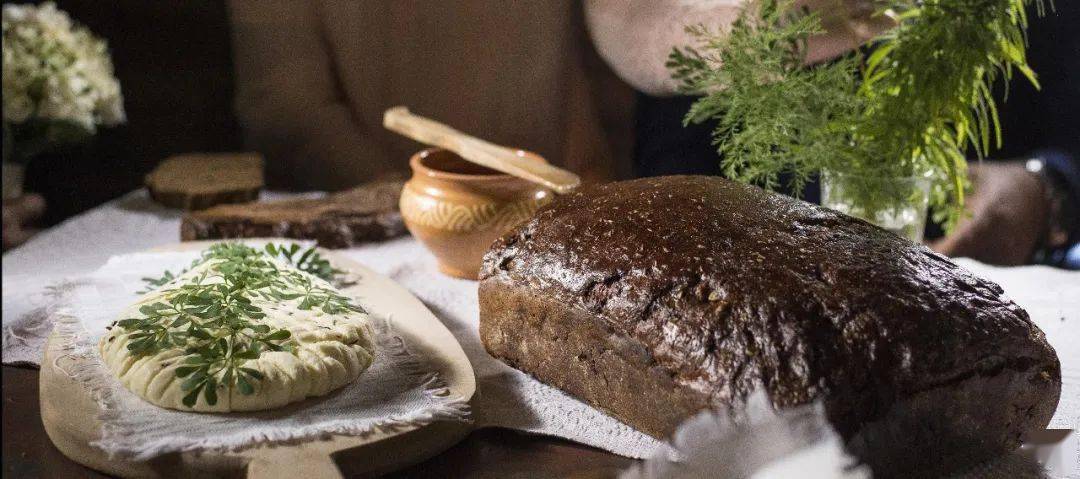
(176, 64)
(304, 84)
(173, 59)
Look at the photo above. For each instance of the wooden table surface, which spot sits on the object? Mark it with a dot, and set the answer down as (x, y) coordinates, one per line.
(502, 453)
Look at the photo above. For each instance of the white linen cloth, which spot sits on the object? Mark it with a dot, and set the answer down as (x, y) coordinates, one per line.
(763, 444)
(505, 396)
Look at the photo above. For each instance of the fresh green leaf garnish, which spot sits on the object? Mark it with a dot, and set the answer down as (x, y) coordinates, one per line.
(913, 107)
(309, 261)
(214, 320)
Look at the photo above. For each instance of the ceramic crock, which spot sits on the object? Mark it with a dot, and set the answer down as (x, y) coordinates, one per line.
(457, 209)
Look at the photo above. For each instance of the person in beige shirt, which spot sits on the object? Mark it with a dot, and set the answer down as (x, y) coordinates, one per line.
(314, 78)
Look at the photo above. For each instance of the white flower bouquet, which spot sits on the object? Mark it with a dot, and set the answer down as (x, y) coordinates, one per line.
(59, 85)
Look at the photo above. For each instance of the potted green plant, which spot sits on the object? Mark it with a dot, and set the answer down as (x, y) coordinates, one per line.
(58, 86)
(888, 131)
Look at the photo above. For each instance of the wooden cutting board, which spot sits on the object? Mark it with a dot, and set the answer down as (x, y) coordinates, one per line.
(70, 413)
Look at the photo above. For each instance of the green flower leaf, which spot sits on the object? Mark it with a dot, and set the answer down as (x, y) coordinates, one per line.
(213, 317)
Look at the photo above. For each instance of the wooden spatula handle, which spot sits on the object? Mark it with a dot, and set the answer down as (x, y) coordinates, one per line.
(478, 151)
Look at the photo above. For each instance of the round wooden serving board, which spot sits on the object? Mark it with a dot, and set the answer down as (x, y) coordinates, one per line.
(70, 413)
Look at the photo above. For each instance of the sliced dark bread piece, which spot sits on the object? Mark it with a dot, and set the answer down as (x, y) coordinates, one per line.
(341, 220)
(200, 180)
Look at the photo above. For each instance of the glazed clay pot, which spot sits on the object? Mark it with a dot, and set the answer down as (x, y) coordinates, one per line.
(457, 209)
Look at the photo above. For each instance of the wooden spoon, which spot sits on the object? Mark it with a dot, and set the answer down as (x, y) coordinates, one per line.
(498, 158)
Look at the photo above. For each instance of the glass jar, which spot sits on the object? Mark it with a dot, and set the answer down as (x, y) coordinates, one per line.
(841, 192)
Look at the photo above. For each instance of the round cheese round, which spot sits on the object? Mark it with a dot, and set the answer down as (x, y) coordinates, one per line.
(322, 352)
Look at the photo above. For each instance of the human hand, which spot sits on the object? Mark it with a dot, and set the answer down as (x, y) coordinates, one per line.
(19, 213)
(847, 23)
(1009, 213)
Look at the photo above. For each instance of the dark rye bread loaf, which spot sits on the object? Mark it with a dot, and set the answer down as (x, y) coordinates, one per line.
(363, 214)
(197, 181)
(652, 299)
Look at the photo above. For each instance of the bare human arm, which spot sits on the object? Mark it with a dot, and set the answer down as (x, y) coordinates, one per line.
(289, 102)
(1009, 216)
(635, 37)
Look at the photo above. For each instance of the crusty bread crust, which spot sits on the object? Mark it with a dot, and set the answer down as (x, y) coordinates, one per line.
(200, 180)
(577, 352)
(342, 220)
(654, 298)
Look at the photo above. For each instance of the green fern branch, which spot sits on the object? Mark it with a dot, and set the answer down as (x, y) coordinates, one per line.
(915, 105)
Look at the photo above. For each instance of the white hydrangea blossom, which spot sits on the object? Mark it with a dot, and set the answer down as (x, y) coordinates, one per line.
(56, 70)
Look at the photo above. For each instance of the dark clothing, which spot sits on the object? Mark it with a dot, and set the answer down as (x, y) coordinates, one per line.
(664, 146)
(1049, 118)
